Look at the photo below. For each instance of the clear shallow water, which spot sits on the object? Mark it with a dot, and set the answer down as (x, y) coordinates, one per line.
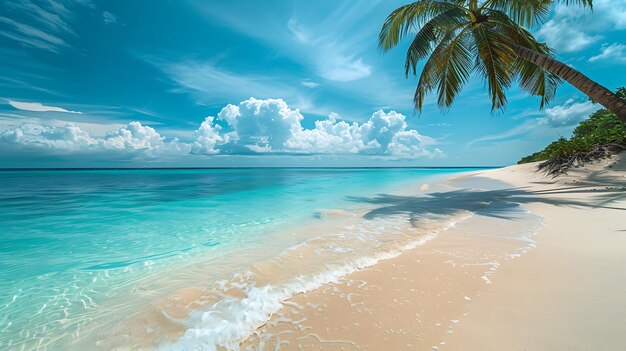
(83, 250)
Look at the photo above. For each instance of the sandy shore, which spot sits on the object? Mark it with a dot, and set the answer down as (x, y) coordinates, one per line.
(569, 293)
(485, 284)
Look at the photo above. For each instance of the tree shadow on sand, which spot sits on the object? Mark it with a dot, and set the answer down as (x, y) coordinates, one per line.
(500, 203)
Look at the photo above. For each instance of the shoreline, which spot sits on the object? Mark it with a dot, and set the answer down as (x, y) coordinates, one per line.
(438, 296)
(132, 298)
(341, 242)
(273, 283)
(568, 293)
(426, 263)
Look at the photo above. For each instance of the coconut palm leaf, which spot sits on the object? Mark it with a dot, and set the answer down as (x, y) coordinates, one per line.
(494, 62)
(529, 12)
(430, 34)
(403, 19)
(461, 37)
(532, 78)
(455, 67)
(429, 77)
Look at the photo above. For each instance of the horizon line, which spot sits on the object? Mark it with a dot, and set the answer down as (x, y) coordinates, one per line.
(210, 168)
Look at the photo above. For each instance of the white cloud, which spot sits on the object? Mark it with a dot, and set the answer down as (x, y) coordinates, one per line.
(514, 133)
(328, 136)
(556, 119)
(606, 15)
(315, 42)
(613, 11)
(332, 60)
(48, 25)
(272, 126)
(297, 31)
(569, 114)
(38, 107)
(331, 42)
(31, 36)
(30, 135)
(573, 28)
(309, 84)
(211, 83)
(262, 125)
(564, 36)
(134, 138)
(411, 144)
(109, 18)
(345, 69)
(137, 137)
(613, 52)
(253, 126)
(208, 137)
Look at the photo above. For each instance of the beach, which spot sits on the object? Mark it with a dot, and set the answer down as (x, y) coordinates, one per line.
(562, 289)
(321, 259)
(312, 175)
(568, 294)
(167, 258)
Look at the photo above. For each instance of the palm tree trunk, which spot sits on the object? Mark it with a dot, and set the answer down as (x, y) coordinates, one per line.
(580, 81)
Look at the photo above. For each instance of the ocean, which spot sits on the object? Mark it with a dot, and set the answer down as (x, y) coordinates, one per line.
(150, 258)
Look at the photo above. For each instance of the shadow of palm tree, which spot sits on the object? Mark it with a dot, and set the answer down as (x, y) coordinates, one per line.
(499, 203)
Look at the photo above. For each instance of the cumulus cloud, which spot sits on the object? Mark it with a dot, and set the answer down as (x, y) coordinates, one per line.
(134, 138)
(207, 137)
(137, 137)
(613, 52)
(272, 126)
(411, 144)
(30, 135)
(569, 113)
(328, 136)
(262, 125)
(38, 107)
(252, 127)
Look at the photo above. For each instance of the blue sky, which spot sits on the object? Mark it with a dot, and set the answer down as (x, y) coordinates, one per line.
(87, 83)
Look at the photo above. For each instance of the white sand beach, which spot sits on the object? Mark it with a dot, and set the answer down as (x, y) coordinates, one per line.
(313, 175)
(474, 288)
(568, 294)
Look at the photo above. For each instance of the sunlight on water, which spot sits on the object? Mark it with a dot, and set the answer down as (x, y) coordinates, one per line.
(81, 251)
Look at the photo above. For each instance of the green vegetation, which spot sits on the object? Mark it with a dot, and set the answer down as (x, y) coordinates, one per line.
(601, 129)
(488, 38)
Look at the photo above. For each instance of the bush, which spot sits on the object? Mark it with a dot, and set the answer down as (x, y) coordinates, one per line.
(602, 128)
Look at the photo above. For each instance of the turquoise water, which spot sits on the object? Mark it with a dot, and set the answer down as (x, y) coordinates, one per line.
(81, 250)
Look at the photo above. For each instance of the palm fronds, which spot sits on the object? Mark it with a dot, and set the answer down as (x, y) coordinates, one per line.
(458, 38)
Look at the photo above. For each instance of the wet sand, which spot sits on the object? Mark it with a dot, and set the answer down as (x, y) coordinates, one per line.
(475, 287)
(503, 259)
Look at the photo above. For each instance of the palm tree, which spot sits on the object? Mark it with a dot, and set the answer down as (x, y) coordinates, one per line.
(462, 37)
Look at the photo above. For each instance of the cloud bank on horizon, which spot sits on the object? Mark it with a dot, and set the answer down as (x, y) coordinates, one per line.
(254, 127)
(105, 82)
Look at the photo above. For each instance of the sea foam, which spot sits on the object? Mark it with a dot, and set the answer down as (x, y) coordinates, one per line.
(231, 320)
